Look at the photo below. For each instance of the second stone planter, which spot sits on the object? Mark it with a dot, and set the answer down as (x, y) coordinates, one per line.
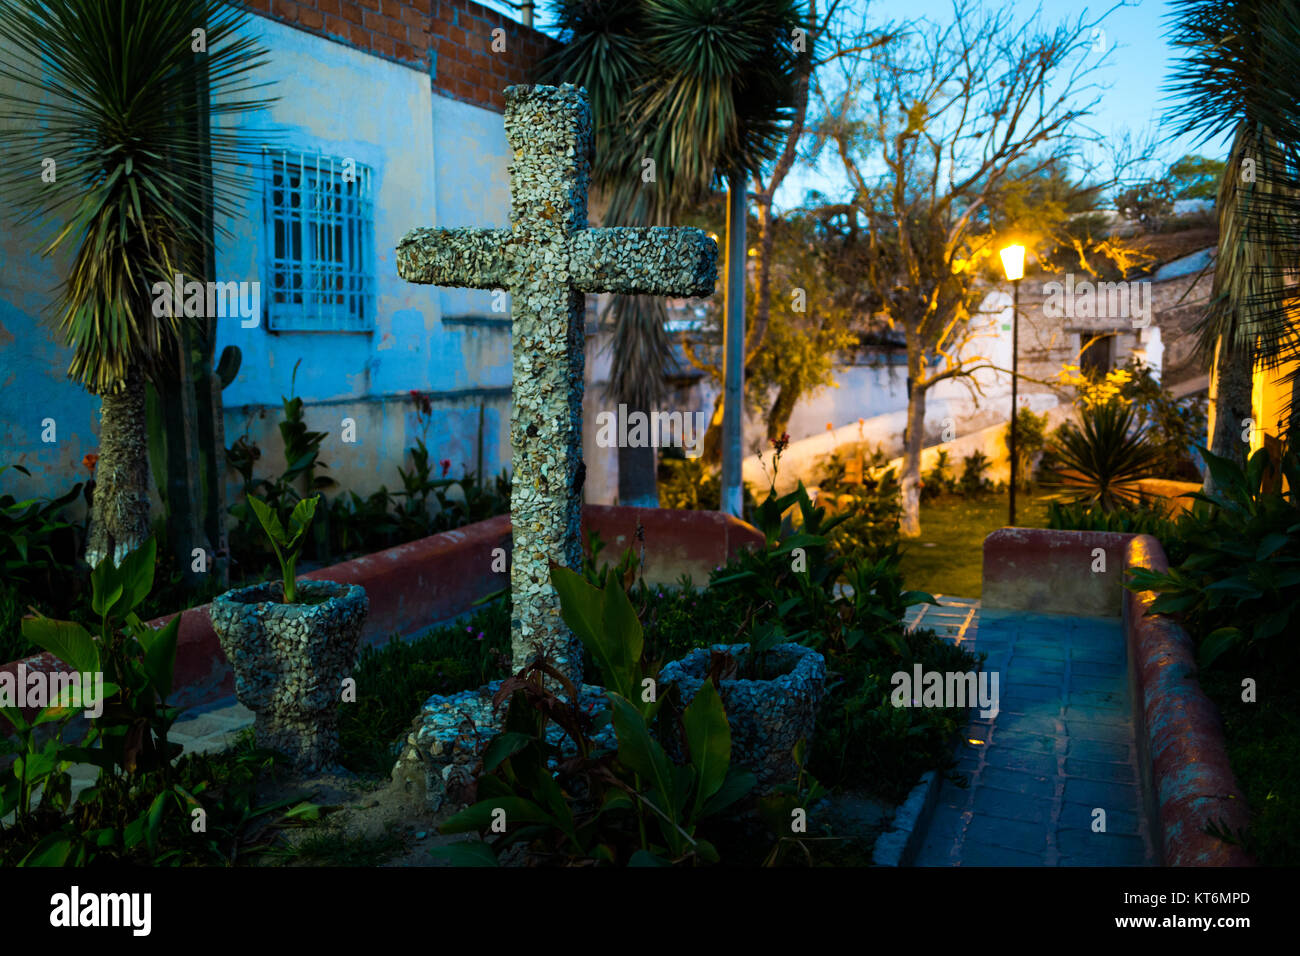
(767, 717)
(290, 661)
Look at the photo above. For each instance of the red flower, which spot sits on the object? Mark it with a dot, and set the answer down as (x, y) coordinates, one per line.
(90, 461)
(780, 443)
(446, 466)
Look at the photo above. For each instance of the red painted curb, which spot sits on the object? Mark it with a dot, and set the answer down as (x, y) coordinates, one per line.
(416, 585)
(1187, 776)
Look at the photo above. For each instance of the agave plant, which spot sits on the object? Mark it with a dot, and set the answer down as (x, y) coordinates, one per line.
(106, 135)
(1101, 461)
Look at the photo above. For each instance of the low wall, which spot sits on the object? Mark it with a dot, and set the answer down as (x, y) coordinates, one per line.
(414, 586)
(1187, 778)
(1055, 572)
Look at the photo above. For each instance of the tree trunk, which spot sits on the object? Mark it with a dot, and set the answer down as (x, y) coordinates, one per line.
(119, 514)
(637, 481)
(913, 441)
(779, 417)
(1233, 389)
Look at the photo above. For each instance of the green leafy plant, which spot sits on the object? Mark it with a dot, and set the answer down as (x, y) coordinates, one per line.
(286, 544)
(972, 482)
(779, 807)
(1239, 586)
(939, 480)
(1100, 461)
(636, 806)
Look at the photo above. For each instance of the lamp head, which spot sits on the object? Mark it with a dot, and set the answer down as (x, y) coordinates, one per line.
(1013, 262)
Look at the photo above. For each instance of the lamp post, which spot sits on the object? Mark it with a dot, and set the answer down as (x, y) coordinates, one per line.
(1013, 262)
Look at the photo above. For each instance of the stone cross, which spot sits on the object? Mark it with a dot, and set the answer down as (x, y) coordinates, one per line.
(548, 259)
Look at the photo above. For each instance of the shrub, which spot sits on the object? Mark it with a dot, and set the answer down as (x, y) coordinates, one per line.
(1100, 461)
(973, 483)
(1134, 519)
(1238, 587)
(867, 511)
(938, 480)
(1031, 438)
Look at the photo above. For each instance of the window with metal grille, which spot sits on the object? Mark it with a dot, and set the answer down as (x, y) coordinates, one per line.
(319, 216)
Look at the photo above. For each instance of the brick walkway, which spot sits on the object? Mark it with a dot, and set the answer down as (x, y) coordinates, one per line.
(1060, 747)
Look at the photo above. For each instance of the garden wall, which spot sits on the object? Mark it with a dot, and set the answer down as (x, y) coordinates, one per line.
(1055, 572)
(417, 585)
(1187, 779)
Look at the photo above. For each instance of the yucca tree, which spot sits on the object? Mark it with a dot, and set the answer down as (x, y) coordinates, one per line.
(1240, 74)
(704, 89)
(109, 91)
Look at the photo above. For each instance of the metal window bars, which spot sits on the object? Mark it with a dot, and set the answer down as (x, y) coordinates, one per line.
(319, 214)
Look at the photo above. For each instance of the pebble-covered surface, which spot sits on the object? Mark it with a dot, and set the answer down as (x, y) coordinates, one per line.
(548, 259)
(451, 731)
(767, 717)
(290, 661)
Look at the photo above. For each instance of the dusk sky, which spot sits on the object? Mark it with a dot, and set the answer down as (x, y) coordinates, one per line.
(1135, 73)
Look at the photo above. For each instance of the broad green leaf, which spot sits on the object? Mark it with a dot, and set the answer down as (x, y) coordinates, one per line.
(646, 858)
(52, 850)
(153, 821)
(269, 520)
(69, 642)
(738, 784)
(605, 624)
(1270, 544)
(502, 746)
(466, 853)
(136, 576)
(480, 816)
(638, 749)
(301, 518)
(160, 657)
(304, 811)
(1216, 643)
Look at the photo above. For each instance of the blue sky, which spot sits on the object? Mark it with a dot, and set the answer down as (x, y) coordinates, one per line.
(1134, 74)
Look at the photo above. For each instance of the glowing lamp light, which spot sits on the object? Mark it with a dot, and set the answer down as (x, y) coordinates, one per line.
(1013, 262)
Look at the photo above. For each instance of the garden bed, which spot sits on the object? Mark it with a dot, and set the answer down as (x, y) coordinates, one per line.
(416, 585)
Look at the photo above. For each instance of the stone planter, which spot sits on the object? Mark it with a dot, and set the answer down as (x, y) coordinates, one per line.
(290, 661)
(767, 717)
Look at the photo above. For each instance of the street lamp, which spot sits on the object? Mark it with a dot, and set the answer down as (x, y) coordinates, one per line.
(1013, 263)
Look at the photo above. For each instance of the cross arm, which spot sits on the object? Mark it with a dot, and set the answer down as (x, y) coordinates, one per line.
(657, 260)
(464, 258)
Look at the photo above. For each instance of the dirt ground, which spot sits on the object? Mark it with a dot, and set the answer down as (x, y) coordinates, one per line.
(365, 821)
(369, 821)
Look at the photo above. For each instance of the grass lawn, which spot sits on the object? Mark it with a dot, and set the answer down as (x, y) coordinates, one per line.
(948, 558)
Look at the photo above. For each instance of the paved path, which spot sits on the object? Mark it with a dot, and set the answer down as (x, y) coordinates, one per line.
(1060, 748)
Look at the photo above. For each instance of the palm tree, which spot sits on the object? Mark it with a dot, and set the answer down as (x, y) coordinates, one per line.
(107, 90)
(1241, 74)
(703, 88)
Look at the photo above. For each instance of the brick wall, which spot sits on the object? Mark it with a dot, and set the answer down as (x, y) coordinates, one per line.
(450, 38)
